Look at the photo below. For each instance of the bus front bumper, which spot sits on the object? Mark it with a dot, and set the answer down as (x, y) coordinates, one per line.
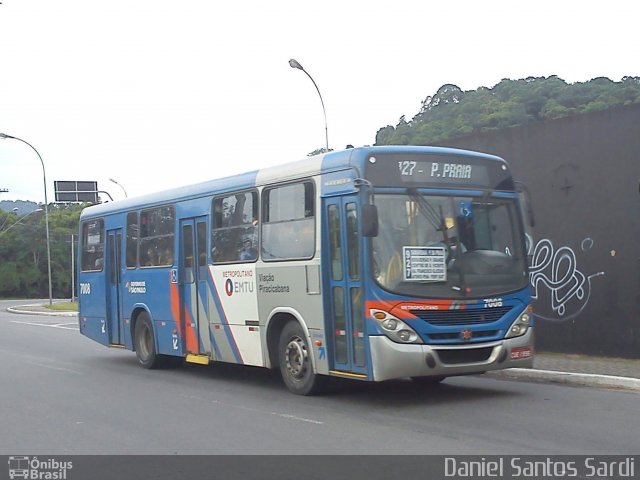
(395, 360)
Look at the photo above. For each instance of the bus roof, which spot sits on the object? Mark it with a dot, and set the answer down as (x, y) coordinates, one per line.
(322, 163)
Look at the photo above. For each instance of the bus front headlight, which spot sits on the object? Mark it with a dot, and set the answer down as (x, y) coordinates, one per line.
(394, 328)
(520, 326)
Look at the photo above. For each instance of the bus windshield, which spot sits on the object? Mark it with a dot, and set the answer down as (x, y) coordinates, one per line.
(441, 246)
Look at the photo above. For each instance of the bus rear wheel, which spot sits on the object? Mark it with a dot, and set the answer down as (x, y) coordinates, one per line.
(296, 366)
(144, 342)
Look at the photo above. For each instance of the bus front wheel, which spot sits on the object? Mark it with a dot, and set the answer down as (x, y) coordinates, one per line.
(296, 365)
(145, 342)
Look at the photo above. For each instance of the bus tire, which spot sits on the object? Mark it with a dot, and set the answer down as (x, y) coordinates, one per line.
(145, 344)
(296, 366)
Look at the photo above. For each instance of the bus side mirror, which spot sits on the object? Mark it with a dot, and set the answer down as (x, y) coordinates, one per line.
(369, 220)
(525, 202)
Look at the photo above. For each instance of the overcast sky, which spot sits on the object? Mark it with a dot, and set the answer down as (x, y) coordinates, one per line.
(156, 93)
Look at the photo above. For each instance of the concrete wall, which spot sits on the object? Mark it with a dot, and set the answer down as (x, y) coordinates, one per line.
(584, 176)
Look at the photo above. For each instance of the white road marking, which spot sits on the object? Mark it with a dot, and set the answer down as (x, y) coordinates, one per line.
(51, 367)
(294, 417)
(257, 410)
(62, 326)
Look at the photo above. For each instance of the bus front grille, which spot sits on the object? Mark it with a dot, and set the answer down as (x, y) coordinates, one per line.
(456, 335)
(476, 316)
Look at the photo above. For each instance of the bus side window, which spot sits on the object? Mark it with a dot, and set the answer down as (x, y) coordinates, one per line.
(92, 258)
(157, 236)
(234, 229)
(288, 224)
(132, 239)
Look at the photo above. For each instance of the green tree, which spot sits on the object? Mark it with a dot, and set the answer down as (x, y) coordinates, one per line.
(23, 252)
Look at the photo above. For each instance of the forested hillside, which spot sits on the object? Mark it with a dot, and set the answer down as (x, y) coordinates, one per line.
(452, 112)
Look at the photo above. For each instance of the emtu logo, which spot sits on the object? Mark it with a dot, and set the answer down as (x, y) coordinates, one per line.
(228, 287)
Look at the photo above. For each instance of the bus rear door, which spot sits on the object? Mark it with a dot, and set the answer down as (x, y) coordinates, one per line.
(193, 286)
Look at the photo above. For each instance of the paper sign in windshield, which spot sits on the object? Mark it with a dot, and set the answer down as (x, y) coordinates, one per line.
(424, 264)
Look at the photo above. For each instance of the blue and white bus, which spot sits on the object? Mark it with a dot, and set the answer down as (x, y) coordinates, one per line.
(371, 263)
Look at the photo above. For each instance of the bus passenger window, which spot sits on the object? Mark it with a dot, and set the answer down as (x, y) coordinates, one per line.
(157, 236)
(234, 230)
(288, 227)
(92, 256)
(132, 239)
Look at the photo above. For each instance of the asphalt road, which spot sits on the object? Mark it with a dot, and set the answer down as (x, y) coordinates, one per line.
(61, 393)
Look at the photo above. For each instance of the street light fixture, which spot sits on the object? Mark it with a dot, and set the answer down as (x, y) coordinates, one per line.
(19, 220)
(125, 192)
(46, 210)
(14, 210)
(295, 64)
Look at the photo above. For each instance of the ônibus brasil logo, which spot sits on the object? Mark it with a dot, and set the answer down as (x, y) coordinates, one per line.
(36, 469)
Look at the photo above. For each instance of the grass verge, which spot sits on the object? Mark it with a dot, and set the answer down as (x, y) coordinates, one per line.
(63, 306)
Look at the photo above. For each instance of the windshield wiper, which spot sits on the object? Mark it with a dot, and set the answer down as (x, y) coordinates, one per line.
(427, 210)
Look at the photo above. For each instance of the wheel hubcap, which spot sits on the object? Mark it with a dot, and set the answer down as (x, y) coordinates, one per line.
(296, 357)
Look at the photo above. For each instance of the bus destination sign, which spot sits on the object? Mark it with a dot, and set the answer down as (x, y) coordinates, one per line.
(430, 171)
(415, 170)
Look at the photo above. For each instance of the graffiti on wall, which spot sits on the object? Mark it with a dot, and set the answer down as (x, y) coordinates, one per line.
(555, 278)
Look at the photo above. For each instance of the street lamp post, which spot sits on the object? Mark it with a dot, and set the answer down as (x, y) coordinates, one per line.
(125, 192)
(46, 210)
(295, 64)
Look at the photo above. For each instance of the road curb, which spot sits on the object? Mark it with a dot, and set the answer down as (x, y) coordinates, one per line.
(570, 378)
(25, 310)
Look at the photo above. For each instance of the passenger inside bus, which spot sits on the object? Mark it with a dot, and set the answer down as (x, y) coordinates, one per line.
(248, 252)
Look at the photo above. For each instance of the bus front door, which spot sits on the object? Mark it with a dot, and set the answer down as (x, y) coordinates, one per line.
(114, 284)
(193, 285)
(345, 286)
